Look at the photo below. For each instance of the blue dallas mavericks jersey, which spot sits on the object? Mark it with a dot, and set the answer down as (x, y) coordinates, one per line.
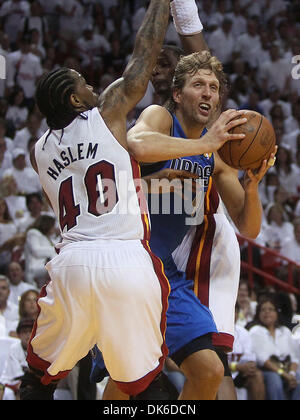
(168, 230)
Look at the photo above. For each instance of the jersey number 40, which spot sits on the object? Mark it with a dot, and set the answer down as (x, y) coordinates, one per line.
(101, 190)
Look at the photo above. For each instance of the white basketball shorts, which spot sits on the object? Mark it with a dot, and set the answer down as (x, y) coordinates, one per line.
(111, 293)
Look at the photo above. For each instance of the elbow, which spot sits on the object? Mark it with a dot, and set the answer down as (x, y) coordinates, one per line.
(136, 148)
(250, 232)
(140, 148)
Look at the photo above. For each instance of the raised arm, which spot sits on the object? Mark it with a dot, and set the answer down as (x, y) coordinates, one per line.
(188, 25)
(126, 92)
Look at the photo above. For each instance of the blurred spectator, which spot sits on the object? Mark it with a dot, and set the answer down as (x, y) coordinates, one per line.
(275, 72)
(253, 102)
(291, 250)
(248, 44)
(274, 348)
(276, 231)
(16, 364)
(8, 236)
(26, 178)
(34, 204)
(8, 141)
(36, 21)
(222, 42)
(92, 47)
(5, 157)
(17, 111)
(242, 361)
(239, 23)
(24, 68)
(245, 305)
(70, 14)
(3, 332)
(267, 188)
(292, 123)
(32, 129)
(285, 307)
(252, 8)
(288, 172)
(15, 275)
(16, 203)
(39, 248)
(291, 140)
(28, 304)
(282, 198)
(7, 308)
(12, 13)
(207, 12)
(273, 98)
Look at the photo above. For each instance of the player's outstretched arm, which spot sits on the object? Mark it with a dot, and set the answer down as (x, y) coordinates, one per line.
(149, 140)
(127, 91)
(188, 25)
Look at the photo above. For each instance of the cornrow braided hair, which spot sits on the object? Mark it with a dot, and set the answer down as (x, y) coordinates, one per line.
(53, 99)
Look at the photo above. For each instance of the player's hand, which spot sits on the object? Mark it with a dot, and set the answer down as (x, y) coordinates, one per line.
(219, 132)
(248, 368)
(252, 179)
(291, 380)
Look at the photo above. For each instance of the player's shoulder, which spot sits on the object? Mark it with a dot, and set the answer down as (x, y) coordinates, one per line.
(156, 115)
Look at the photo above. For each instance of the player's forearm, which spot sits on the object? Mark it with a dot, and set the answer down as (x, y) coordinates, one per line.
(154, 147)
(250, 218)
(147, 46)
(193, 43)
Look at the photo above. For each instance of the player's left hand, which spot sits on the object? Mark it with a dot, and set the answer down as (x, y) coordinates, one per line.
(252, 179)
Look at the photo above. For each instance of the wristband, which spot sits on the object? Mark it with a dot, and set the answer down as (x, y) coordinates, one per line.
(185, 16)
(292, 372)
(233, 366)
(280, 372)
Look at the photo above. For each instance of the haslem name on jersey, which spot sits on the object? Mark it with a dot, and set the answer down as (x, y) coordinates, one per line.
(72, 154)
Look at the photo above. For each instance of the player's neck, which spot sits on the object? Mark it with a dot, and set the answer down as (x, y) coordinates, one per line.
(192, 129)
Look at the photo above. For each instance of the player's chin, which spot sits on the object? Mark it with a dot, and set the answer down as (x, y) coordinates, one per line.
(203, 119)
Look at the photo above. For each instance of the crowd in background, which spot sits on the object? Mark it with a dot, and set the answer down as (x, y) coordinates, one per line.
(258, 43)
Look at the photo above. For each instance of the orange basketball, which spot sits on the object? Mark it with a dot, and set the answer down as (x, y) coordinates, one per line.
(258, 144)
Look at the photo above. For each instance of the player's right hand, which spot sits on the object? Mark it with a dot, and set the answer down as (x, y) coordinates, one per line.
(219, 132)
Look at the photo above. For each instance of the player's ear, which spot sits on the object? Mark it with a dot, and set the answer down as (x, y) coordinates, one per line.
(177, 96)
(75, 101)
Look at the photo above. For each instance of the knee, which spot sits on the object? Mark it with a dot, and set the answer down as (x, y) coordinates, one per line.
(209, 370)
(215, 373)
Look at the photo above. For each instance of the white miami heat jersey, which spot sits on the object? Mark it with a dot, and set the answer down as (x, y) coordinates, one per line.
(92, 182)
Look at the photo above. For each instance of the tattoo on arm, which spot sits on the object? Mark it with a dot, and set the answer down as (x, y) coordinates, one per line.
(133, 84)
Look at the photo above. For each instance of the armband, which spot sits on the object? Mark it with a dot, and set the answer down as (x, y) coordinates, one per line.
(186, 17)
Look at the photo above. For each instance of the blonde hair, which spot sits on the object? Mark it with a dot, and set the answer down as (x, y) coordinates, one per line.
(190, 65)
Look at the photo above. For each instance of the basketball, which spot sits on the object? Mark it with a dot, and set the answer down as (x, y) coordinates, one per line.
(258, 144)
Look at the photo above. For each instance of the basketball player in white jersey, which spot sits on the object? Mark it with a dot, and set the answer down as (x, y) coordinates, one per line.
(106, 286)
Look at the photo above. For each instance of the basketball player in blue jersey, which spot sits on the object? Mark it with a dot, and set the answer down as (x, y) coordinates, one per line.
(198, 86)
(106, 286)
(197, 93)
